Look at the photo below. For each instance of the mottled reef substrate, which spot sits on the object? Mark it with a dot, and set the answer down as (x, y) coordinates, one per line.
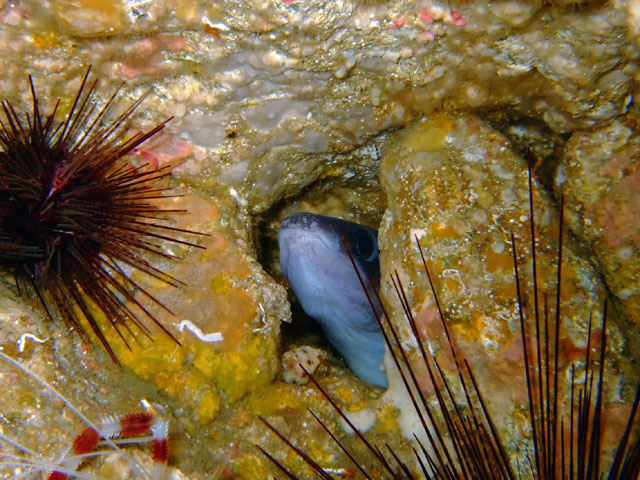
(271, 97)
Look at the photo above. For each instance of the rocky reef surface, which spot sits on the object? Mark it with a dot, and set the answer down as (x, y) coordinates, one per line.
(413, 116)
(599, 175)
(462, 192)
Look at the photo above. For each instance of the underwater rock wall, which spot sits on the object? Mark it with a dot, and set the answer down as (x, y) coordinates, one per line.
(599, 176)
(461, 191)
(268, 98)
(264, 94)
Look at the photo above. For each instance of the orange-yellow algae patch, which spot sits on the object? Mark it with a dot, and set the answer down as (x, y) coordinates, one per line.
(45, 40)
(231, 310)
(553, 231)
(234, 373)
(224, 257)
(430, 136)
(509, 290)
(477, 321)
(317, 447)
(91, 17)
(484, 198)
(273, 398)
(442, 230)
(213, 316)
(387, 420)
(207, 405)
(210, 301)
(450, 284)
(431, 193)
(220, 284)
(499, 261)
(247, 369)
(250, 467)
(161, 363)
(349, 398)
(435, 266)
(483, 327)
(414, 287)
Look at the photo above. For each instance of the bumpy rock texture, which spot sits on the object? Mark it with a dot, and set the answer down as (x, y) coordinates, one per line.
(272, 98)
(600, 178)
(264, 94)
(462, 192)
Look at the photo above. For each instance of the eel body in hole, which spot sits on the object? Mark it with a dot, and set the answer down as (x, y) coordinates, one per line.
(320, 273)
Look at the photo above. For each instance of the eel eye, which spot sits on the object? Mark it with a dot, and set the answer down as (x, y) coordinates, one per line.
(366, 245)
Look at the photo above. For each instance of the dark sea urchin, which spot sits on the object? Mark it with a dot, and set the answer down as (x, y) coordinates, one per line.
(76, 217)
(462, 439)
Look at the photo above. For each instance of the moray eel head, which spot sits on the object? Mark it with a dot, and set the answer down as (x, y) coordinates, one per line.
(322, 277)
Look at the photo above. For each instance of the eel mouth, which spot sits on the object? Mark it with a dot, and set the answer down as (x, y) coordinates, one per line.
(303, 235)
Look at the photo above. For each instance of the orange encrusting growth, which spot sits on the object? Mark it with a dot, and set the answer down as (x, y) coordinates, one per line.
(443, 230)
(499, 261)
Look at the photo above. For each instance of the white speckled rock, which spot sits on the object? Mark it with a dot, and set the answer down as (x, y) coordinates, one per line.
(455, 183)
(600, 178)
(257, 88)
(270, 96)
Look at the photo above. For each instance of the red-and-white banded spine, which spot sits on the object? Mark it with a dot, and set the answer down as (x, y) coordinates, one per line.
(112, 427)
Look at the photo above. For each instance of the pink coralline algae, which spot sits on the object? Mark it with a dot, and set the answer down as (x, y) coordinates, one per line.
(618, 212)
(148, 56)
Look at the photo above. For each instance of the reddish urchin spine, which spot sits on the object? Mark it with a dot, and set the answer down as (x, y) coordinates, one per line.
(76, 216)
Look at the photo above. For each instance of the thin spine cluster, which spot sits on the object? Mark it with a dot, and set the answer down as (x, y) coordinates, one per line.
(469, 445)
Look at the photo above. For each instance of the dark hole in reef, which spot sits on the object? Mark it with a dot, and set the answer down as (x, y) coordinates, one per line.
(349, 188)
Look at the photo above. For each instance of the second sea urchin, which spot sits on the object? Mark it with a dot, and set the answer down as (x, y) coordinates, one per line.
(456, 436)
(76, 218)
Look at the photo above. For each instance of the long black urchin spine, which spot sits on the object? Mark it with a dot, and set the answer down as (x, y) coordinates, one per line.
(76, 216)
